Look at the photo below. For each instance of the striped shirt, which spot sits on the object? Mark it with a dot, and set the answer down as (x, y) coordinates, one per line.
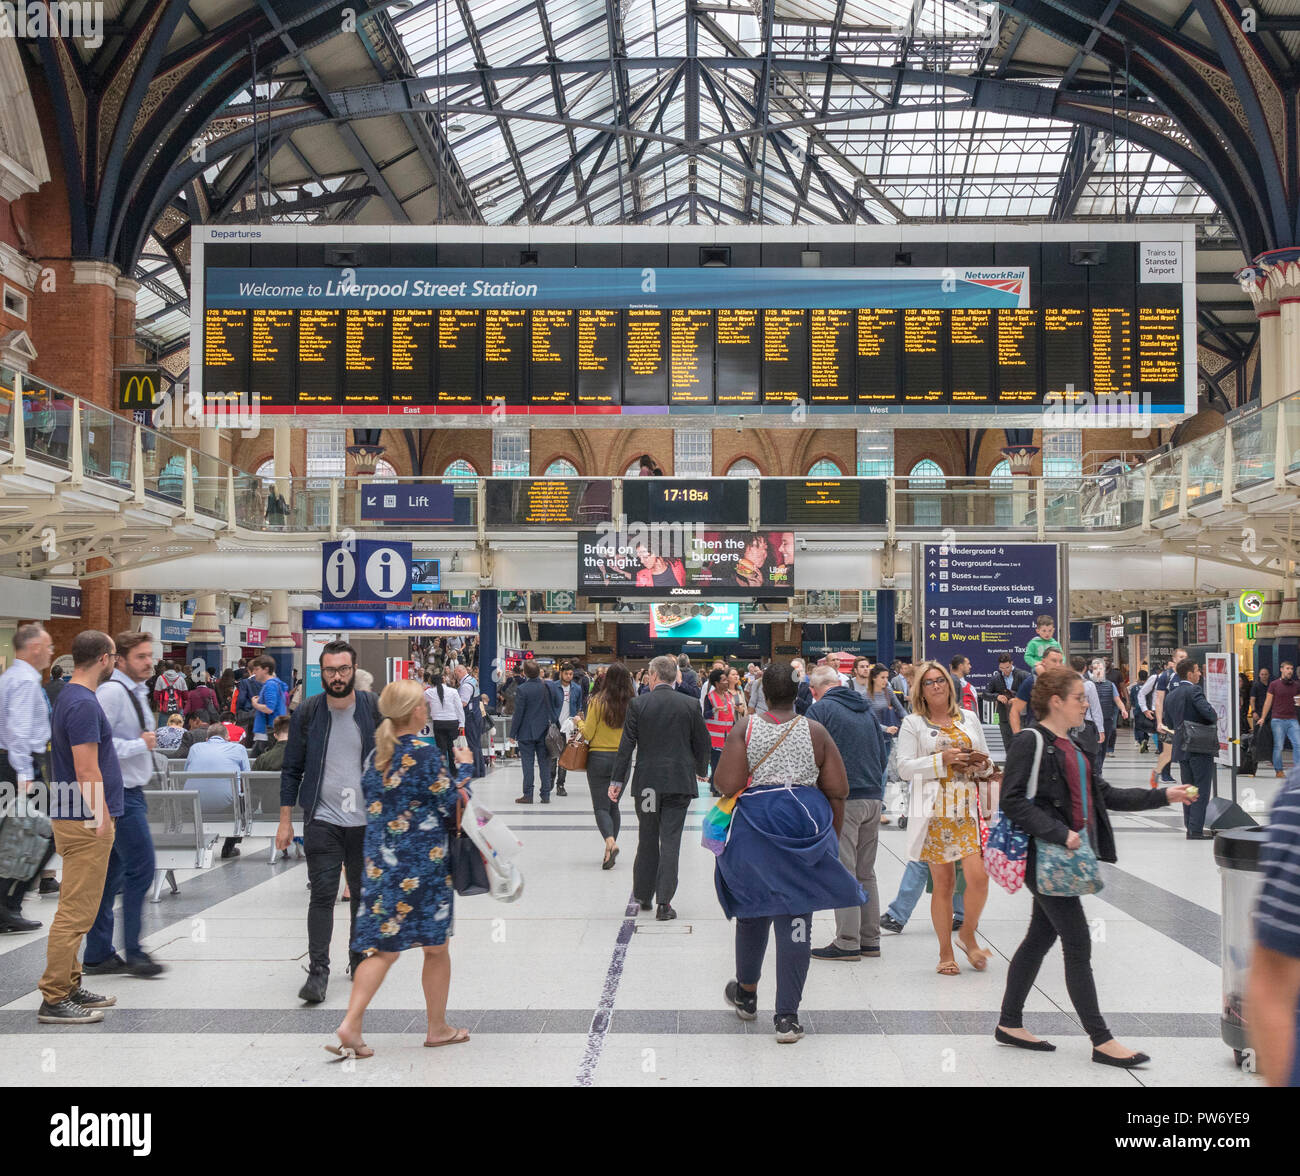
(1277, 918)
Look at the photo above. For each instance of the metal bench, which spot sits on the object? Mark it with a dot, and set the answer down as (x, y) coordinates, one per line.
(239, 814)
(180, 842)
(263, 791)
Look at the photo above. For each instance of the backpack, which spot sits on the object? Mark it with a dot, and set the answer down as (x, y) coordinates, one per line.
(171, 702)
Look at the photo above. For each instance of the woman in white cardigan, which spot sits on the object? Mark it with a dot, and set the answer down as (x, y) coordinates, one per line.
(942, 752)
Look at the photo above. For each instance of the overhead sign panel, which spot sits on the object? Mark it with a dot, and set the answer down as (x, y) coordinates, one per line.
(391, 502)
(671, 561)
(366, 572)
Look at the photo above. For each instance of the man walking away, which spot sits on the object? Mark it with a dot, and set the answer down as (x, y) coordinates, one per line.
(25, 739)
(330, 737)
(667, 731)
(1280, 704)
(125, 700)
(169, 691)
(846, 714)
(472, 702)
(690, 680)
(535, 710)
(85, 802)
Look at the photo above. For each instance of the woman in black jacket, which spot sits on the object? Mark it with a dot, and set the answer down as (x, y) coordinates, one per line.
(1055, 815)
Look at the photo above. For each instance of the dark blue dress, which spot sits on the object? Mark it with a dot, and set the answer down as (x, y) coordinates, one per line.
(406, 891)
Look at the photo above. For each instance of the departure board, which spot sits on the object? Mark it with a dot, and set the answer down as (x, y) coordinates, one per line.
(365, 351)
(785, 356)
(971, 337)
(412, 345)
(505, 339)
(273, 348)
(1160, 354)
(738, 345)
(923, 374)
(225, 354)
(458, 349)
(320, 334)
(1066, 368)
(822, 501)
(878, 354)
(1018, 357)
(550, 367)
(832, 344)
(690, 338)
(1112, 352)
(599, 357)
(645, 357)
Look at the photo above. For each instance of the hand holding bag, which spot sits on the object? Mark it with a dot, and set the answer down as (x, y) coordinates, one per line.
(1006, 852)
(468, 872)
(1062, 873)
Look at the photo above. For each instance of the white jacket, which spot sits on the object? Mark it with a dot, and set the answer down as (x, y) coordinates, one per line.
(921, 765)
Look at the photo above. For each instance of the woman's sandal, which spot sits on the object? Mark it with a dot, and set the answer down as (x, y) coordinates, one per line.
(979, 958)
(458, 1038)
(351, 1051)
(948, 968)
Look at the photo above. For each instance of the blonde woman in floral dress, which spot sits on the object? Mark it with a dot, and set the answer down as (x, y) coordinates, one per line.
(943, 754)
(406, 895)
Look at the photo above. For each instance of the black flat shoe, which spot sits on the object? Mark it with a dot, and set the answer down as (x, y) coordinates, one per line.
(645, 906)
(1129, 1063)
(665, 912)
(1003, 1038)
(608, 862)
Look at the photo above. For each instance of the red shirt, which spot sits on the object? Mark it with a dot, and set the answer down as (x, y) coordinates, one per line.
(1283, 693)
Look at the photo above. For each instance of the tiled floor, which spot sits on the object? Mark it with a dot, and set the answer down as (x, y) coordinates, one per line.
(533, 981)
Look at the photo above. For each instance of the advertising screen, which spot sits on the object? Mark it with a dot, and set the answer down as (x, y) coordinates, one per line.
(683, 561)
(674, 619)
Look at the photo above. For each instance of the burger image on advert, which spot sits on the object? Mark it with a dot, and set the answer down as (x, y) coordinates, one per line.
(749, 568)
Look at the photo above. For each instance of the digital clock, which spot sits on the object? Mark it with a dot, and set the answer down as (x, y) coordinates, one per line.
(720, 502)
(674, 494)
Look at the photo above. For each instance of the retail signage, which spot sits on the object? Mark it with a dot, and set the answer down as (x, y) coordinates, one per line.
(982, 600)
(64, 601)
(313, 645)
(403, 619)
(366, 572)
(391, 502)
(1221, 693)
(145, 604)
(174, 631)
(671, 562)
(1250, 604)
(1135, 623)
(139, 389)
(255, 637)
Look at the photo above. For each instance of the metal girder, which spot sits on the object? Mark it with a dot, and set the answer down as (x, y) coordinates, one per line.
(1081, 162)
(621, 98)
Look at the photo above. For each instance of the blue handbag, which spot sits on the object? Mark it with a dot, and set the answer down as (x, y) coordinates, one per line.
(1061, 872)
(1006, 853)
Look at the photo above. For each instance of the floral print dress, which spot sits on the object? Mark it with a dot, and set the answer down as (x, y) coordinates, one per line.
(406, 891)
(954, 831)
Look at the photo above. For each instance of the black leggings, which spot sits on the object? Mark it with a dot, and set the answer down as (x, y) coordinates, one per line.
(445, 732)
(600, 770)
(1055, 917)
(793, 953)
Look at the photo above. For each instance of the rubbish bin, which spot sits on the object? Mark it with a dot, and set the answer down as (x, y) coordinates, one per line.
(1237, 854)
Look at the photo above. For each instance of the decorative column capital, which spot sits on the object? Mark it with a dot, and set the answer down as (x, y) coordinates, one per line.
(365, 458)
(1020, 457)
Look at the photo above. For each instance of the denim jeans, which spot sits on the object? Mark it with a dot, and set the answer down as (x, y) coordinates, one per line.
(1284, 729)
(130, 872)
(909, 894)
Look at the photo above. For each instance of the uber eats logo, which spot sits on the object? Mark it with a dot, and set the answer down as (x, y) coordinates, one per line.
(138, 388)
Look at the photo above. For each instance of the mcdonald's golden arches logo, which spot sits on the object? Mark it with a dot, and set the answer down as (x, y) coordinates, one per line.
(138, 388)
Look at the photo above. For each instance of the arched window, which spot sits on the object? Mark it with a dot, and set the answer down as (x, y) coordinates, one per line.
(825, 468)
(266, 473)
(742, 467)
(635, 468)
(1001, 481)
(561, 467)
(927, 509)
(1063, 458)
(385, 471)
(461, 469)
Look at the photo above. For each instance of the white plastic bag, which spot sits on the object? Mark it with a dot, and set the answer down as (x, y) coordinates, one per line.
(498, 845)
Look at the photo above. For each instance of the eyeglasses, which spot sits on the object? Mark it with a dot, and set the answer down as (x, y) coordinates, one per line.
(935, 682)
(336, 671)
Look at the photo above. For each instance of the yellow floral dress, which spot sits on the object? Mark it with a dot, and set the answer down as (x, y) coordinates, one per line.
(406, 892)
(954, 831)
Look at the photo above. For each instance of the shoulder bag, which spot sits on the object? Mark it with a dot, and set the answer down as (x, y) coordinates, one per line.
(1199, 738)
(574, 756)
(716, 828)
(1007, 851)
(1062, 873)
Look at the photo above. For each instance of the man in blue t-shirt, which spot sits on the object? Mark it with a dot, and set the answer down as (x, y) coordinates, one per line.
(269, 698)
(85, 800)
(1273, 988)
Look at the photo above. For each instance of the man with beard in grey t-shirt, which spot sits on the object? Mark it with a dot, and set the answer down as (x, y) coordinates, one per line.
(330, 738)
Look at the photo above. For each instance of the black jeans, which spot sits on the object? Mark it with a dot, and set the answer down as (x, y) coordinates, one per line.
(793, 953)
(661, 818)
(331, 848)
(1055, 917)
(445, 732)
(600, 770)
(1198, 770)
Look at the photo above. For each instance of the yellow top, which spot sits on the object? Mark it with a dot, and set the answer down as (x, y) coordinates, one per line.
(598, 734)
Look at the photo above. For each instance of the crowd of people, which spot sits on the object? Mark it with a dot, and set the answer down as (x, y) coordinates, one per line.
(800, 760)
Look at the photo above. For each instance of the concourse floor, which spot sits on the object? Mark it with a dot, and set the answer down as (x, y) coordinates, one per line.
(570, 986)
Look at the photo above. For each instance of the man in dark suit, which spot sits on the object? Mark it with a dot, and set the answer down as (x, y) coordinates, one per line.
(1001, 689)
(1188, 703)
(688, 682)
(570, 701)
(672, 761)
(536, 703)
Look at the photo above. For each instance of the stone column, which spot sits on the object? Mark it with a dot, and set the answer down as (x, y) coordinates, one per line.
(282, 444)
(487, 645)
(210, 493)
(1266, 633)
(205, 633)
(1280, 269)
(1021, 460)
(886, 608)
(279, 638)
(364, 459)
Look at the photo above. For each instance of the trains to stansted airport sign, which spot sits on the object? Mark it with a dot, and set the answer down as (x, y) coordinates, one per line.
(296, 336)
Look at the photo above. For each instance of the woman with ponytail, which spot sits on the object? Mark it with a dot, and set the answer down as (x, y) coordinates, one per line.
(406, 894)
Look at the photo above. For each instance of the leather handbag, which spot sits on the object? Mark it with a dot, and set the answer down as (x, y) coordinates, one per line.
(574, 756)
(1062, 873)
(469, 874)
(1199, 738)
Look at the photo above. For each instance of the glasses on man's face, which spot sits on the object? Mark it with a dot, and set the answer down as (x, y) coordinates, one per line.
(336, 672)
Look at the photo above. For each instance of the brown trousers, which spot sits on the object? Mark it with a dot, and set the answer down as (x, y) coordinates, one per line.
(85, 865)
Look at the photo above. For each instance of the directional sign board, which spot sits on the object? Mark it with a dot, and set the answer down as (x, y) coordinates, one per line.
(981, 600)
(392, 502)
(366, 572)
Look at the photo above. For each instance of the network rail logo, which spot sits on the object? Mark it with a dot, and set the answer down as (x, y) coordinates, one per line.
(28, 20)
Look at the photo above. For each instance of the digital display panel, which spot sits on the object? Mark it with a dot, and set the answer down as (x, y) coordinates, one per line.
(739, 349)
(822, 501)
(785, 356)
(645, 357)
(546, 502)
(684, 565)
(720, 501)
(599, 359)
(720, 621)
(550, 356)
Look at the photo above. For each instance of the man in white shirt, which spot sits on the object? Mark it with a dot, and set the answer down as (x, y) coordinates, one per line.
(467, 688)
(24, 740)
(125, 701)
